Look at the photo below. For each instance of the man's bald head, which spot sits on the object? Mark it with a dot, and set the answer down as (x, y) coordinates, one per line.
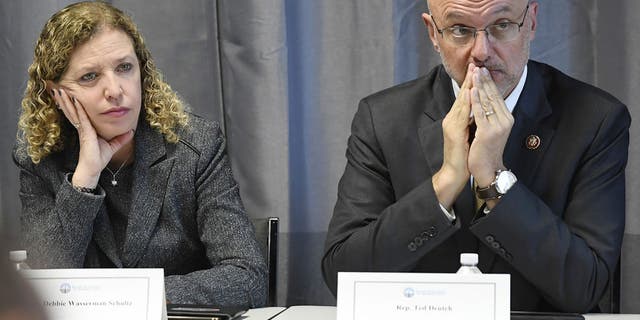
(505, 59)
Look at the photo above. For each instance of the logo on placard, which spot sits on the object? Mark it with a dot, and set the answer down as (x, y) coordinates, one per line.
(409, 292)
(65, 288)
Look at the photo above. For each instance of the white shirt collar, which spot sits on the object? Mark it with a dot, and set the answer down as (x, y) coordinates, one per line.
(513, 97)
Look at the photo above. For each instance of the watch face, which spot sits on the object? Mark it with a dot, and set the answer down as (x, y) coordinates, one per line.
(504, 181)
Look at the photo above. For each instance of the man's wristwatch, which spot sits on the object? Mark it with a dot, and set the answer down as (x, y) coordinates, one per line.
(505, 179)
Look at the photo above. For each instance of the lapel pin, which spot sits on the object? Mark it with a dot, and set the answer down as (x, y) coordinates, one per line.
(533, 142)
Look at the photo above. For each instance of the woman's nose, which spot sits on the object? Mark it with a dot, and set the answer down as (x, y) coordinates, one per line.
(112, 87)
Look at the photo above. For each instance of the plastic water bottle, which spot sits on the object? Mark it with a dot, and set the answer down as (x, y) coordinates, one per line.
(19, 259)
(468, 264)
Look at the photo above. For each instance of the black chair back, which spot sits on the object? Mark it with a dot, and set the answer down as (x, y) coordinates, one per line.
(267, 235)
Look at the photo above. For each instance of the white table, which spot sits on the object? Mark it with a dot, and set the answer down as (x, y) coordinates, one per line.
(308, 313)
(606, 316)
(329, 313)
(262, 313)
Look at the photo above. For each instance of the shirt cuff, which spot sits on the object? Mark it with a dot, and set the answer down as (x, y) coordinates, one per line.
(97, 191)
(450, 215)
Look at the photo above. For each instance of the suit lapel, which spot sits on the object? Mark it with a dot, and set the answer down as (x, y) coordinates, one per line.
(529, 115)
(103, 236)
(151, 173)
(431, 140)
(530, 112)
(430, 125)
(102, 229)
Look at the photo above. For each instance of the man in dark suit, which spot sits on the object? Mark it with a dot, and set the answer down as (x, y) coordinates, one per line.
(533, 180)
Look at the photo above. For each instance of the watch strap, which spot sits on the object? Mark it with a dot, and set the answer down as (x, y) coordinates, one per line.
(489, 192)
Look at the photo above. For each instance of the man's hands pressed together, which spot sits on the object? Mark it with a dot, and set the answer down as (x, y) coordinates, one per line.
(479, 97)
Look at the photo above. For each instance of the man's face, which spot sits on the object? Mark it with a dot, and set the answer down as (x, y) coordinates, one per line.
(504, 59)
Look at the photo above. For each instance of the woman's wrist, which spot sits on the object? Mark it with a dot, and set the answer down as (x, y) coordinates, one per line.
(84, 181)
(84, 189)
(79, 187)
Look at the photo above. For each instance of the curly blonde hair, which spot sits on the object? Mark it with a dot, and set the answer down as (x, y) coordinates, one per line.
(42, 125)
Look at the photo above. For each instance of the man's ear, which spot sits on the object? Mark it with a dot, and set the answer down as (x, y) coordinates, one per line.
(533, 14)
(431, 29)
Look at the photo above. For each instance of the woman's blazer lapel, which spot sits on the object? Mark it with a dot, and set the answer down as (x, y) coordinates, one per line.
(151, 174)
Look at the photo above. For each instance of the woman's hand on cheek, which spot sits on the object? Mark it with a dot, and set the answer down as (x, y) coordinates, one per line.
(95, 152)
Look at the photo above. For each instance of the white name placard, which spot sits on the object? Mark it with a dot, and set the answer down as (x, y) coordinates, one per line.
(408, 296)
(100, 293)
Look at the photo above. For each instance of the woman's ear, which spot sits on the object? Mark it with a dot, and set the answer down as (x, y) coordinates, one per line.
(51, 87)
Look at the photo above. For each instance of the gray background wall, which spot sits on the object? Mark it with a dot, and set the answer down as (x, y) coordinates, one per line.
(285, 76)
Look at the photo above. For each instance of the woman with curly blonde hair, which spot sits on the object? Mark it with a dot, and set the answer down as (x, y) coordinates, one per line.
(115, 173)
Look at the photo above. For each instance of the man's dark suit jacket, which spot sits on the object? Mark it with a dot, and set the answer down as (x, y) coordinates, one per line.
(558, 231)
(186, 216)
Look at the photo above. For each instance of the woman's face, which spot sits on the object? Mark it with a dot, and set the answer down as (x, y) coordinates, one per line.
(104, 76)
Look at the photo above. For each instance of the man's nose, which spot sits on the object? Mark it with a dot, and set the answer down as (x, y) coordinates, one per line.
(481, 49)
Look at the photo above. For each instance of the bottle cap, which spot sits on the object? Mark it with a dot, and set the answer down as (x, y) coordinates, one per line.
(18, 255)
(468, 258)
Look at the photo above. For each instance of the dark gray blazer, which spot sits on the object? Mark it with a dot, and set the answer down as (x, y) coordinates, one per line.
(186, 216)
(558, 231)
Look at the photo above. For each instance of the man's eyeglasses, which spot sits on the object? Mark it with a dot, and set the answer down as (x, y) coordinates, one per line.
(502, 31)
